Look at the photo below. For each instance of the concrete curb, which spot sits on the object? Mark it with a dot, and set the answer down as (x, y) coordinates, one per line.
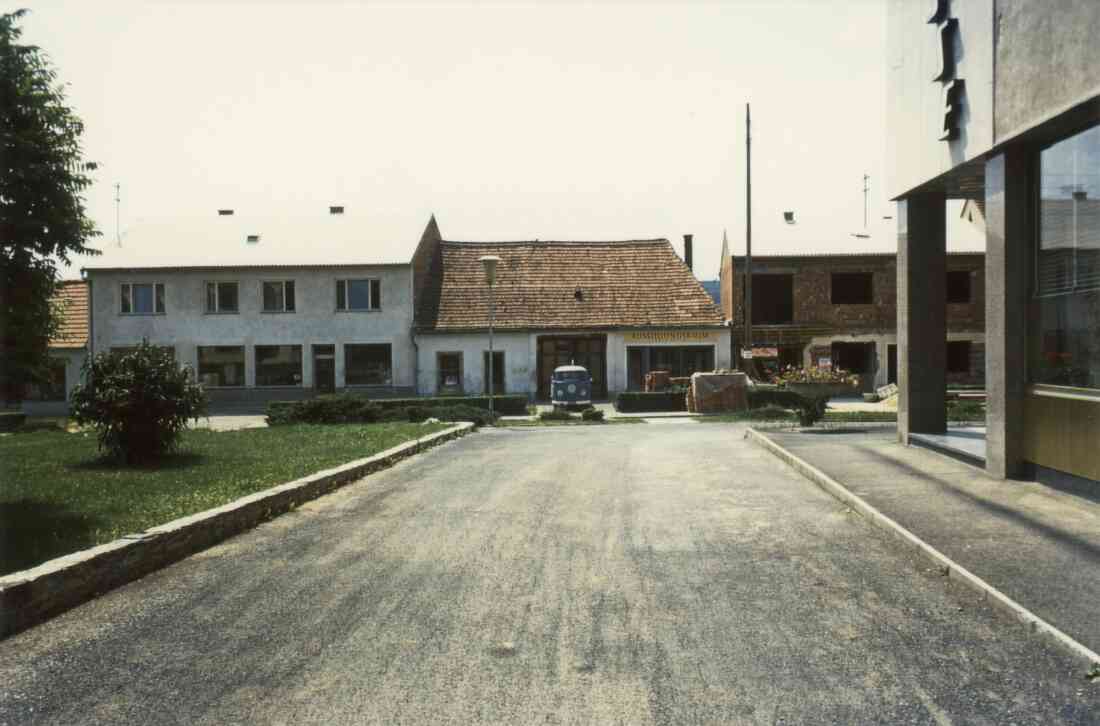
(32, 596)
(948, 566)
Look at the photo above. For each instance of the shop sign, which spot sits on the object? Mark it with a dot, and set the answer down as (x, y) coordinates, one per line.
(746, 353)
(825, 363)
(670, 336)
(765, 352)
(953, 87)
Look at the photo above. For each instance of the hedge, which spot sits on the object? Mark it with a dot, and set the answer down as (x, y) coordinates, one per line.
(810, 410)
(640, 402)
(502, 405)
(11, 420)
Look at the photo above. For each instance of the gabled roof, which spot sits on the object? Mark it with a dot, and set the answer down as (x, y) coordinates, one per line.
(556, 285)
(72, 297)
(321, 241)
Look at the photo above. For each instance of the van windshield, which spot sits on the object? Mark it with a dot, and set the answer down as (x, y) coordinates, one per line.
(571, 376)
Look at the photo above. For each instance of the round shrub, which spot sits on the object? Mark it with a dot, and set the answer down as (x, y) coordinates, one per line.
(592, 414)
(138, 402)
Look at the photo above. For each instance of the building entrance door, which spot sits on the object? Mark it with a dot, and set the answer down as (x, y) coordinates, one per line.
(589, 351)
(324, 368)
(892, 364)
(857, 358)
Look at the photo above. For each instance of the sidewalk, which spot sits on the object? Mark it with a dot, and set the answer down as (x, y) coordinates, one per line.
(1037, 545)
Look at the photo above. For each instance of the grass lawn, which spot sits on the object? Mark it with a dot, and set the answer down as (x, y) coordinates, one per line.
(574, 422)
(58, 496)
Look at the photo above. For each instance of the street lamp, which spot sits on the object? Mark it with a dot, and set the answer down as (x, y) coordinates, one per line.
(489, 262)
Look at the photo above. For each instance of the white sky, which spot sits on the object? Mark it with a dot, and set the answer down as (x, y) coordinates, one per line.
(564, 121)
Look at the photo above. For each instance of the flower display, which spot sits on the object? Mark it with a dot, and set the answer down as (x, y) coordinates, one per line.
(834, 376)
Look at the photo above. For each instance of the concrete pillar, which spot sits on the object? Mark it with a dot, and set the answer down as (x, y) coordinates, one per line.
(922, 315)
(1007, 271)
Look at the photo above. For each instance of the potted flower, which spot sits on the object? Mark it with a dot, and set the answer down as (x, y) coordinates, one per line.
(818, 382)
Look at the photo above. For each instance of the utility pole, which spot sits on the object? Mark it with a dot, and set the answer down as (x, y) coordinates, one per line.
(746, 344)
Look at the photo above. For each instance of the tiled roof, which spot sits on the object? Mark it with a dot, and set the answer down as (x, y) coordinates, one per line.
(72, 296)
(548, 285)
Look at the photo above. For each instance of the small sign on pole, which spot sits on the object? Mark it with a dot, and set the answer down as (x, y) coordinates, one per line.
(746, 353)
(825, 363)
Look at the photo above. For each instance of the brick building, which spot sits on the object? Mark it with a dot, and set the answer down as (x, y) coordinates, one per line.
(841, 310)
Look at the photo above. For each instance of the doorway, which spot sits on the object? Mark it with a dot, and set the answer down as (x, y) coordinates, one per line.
(858, 358)
(891, 364)
(324, 368)
(589, 351)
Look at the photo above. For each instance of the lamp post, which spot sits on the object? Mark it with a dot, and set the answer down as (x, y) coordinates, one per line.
(489, 262)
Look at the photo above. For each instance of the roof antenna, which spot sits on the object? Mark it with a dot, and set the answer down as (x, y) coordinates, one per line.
(118, 199)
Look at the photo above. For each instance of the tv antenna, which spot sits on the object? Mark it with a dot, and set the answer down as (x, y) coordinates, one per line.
(118, 200)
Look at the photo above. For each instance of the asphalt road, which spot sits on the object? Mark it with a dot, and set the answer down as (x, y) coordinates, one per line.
(625, 574)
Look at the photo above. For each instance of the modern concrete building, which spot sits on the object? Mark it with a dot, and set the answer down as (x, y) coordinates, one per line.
(620, 309)
(840, 310)
(998, 102)
(261, 310)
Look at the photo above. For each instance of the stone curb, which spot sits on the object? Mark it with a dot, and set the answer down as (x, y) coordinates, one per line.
(949, 567)
(33, 596)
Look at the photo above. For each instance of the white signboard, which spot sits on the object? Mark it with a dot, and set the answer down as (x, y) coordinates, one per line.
(826, 363)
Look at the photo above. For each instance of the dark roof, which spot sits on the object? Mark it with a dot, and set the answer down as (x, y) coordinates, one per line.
(547, 285)
(72, 296)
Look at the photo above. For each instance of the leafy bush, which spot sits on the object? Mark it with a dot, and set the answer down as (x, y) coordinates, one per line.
(556, 414)
(325, 409)
(641, 402)
(810, 409)
(138, 401)
(592, 414)
(791, 374)
(965, 410)
(474, 414)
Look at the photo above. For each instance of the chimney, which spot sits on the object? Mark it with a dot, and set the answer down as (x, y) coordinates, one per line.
(336, 209)
(687, 250)
(225, 212)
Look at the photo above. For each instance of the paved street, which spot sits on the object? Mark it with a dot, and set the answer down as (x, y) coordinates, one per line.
(627, 574)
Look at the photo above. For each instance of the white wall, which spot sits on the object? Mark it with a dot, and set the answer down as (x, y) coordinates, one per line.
(315, 321)
(915, 107)
(521, 361)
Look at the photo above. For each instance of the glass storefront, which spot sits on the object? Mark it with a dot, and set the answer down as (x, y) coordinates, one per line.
(1065, 348)
(678, 360)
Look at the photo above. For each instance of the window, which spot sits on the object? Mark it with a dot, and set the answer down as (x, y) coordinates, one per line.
(958, 356)
(53, 388)
(221, 297)
(498, 372)
(358, 294)
(368, 365)
(772, 299)
(958, 286)
(278, 296)
(450, 372)
(853, 288)
(1065, 349)
(221, 365)
(141, 298)
(278, 365)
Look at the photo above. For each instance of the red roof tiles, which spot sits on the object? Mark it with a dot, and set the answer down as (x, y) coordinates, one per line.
(565, 285)
(72, 296)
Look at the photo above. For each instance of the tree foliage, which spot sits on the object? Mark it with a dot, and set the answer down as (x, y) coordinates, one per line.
(139, 402)
(42, 218)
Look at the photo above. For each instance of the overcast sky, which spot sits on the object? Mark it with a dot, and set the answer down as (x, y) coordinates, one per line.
(606, 121)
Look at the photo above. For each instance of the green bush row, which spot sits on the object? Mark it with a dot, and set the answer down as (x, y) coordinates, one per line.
(356, 409)
(642, 402)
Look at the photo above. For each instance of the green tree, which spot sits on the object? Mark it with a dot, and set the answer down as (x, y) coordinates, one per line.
(42, 218)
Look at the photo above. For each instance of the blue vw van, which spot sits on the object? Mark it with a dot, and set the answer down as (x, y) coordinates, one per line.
(570, 386)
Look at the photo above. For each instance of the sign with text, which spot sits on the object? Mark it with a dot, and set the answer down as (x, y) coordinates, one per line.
(671, 336)
(825, 363)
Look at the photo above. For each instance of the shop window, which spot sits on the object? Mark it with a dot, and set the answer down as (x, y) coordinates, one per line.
(1065, 350)
(221, 365)
(368, 365)
(53, 387)
(278, 296)
(852, 288)
(498, 372)
(141, 298)
(450, 372)
(772, 299)
(354, 295)
(958, 287)
(278, 365)
(958, 356)
(222, 297)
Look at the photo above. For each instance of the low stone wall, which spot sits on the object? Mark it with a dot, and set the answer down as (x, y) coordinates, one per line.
(35, 595)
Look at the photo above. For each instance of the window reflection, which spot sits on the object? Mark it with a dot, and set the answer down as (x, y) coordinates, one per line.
(1066, 346)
